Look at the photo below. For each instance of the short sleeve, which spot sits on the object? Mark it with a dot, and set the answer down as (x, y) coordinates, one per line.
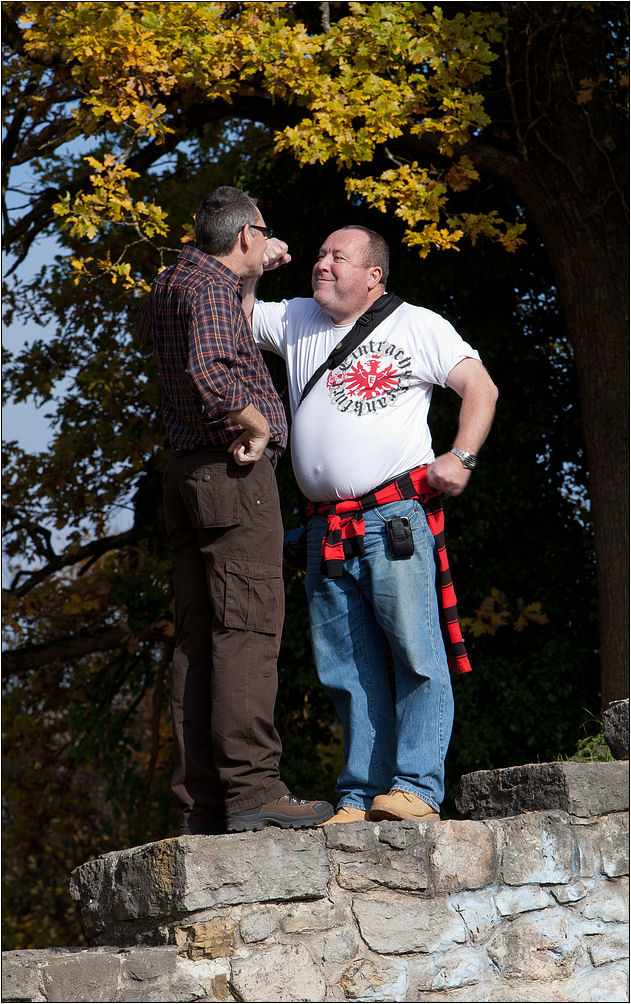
(269, 326)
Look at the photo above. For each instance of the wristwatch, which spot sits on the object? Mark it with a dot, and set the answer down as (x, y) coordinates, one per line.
(468, 460)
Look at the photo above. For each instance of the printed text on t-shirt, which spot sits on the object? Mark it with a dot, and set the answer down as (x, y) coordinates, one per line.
(371, 378)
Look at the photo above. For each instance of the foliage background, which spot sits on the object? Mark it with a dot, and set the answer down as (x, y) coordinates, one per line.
(88, 625)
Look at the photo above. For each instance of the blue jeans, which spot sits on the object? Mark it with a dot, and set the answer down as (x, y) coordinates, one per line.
(391, 740)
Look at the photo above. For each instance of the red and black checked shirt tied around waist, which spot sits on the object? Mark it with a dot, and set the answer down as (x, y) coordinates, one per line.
(344, 537)
(208, 361)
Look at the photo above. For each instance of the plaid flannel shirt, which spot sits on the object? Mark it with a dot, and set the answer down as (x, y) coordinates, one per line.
(208, 362)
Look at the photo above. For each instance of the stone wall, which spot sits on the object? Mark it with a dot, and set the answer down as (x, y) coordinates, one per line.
(520, 906)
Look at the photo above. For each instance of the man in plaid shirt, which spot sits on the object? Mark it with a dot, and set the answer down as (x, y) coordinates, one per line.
(227, 426)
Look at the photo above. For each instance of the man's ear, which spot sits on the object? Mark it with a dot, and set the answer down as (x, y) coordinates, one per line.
(245, 239)
(374, 277)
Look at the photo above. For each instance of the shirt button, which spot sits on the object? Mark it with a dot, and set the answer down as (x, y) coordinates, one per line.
(206, 477)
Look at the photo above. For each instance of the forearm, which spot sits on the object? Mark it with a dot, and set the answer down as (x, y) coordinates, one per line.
(248, 298)
(477, 411)
(252, 421)
(479, 395)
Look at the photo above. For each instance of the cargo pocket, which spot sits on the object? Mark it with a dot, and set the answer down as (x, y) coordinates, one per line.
(252, 596)
(211, 496)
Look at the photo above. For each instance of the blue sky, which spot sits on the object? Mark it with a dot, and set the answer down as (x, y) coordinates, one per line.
(25, 422)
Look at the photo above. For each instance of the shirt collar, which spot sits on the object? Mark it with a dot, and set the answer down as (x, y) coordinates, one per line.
(190, 255)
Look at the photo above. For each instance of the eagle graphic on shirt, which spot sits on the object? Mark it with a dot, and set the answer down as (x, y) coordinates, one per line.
(370, 379)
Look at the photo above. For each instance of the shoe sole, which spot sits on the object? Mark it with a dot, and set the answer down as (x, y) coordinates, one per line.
(377, 814)
(284, 822)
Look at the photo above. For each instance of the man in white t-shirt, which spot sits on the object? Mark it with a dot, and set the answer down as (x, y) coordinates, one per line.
(375, 599)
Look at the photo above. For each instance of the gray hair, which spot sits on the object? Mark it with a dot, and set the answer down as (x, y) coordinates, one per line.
(220, 218)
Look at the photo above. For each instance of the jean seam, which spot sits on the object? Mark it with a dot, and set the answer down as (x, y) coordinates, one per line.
(350, 805)
(414, 509)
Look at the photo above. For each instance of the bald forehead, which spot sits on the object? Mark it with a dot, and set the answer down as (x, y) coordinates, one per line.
(352, 241)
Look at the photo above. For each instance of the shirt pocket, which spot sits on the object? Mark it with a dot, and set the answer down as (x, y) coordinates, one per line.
(252, 596)
(211, 496)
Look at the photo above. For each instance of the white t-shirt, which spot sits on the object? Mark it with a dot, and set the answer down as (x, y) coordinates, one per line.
(366, 421)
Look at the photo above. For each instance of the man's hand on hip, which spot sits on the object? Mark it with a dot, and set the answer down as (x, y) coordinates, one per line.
(448, 475)
(250, 445)
(247, 449)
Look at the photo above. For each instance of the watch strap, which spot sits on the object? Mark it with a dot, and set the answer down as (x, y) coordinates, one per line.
(468, 460)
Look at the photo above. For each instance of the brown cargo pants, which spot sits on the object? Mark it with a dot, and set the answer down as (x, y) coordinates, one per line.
(226, 538)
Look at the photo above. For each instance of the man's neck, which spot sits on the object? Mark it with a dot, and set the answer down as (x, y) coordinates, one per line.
(340, 319)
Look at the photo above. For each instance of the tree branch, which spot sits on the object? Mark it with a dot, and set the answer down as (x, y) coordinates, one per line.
(88, 552)
(67, 648)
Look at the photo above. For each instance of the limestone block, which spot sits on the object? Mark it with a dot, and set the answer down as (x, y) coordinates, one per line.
(393, 854)
(573, 892)
(603, 845)
(538, 847)
(478, 911)
(279, 973)
(375, 980)
(125, 885)
(125, 893)
(616, 728)
(340, 946)
(463, 967)
(613, 845)
(462, 856)
(20, 975)
(149, 963)
(191, 981)
(256, 926)
(403, 833)
(543, 947)
(82, 976)
(359, 836)
(595, 789)
(397, 859)
(604, 948)
(523, 899)
(603, 986)
(303, 917)
(255, 867)
(212, 939)
(395, 923)
(582, 789)
(587, 834)
(608, 901)
(395, 870)
(470, 994)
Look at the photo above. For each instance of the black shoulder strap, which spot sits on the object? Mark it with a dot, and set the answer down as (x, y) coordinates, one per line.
(362, 327)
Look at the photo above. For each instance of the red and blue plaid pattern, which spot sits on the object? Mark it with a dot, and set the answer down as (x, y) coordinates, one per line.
(344, 538)
(208, 362)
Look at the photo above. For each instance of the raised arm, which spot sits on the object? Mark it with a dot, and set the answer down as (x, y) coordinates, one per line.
(276, 254)
(470, 380)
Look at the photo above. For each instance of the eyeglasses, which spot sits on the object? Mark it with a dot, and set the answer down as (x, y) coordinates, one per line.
(266, 231)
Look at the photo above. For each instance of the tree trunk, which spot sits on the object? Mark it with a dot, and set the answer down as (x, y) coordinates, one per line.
(560, 94)
(588, 251)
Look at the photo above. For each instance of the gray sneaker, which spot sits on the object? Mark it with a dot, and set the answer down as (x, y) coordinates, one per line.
(288, 811)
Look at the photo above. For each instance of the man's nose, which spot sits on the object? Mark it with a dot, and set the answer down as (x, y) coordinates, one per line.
(323, 265)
